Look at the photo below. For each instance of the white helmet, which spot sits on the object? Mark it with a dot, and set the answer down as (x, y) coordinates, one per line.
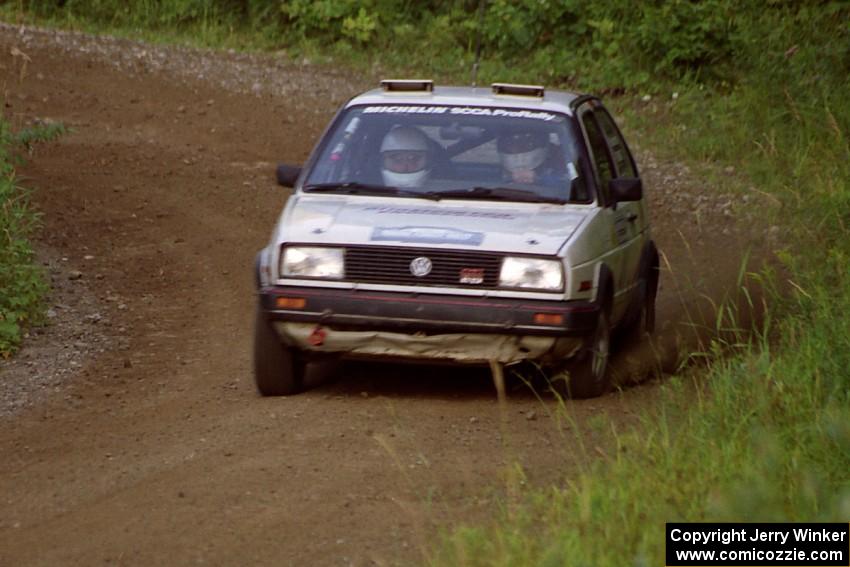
(404, 157)
(523, 150)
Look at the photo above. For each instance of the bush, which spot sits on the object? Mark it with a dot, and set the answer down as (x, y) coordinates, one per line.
(605, 44)
(22, 282)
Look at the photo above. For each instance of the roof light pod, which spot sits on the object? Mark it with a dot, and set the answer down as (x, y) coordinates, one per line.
(508, 89)
(407, 86)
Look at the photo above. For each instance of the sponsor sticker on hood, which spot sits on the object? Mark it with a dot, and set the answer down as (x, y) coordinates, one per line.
(427, 235)
(440, 212)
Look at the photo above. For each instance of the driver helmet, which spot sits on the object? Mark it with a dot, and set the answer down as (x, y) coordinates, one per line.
(523, 150)
(405, 157)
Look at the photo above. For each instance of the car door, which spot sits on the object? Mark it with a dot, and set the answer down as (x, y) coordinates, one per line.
(614, 219)
(633, 212)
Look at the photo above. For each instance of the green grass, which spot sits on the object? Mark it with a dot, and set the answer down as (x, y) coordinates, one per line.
(22, 282)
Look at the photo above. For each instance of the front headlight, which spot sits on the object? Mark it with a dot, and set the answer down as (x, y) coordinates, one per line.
(312, 262)
(533, 273)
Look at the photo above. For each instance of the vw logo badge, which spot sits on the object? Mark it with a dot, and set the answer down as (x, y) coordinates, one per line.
(420, 267)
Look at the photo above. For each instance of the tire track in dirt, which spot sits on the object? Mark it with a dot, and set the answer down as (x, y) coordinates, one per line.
(158, 451)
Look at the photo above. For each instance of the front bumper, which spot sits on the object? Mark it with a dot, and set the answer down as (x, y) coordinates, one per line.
(369, 324)
(358, 310)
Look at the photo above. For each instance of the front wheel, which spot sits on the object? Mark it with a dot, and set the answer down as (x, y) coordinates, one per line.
(642, 323)
(589, 375)
(278, 369)
(642, 319)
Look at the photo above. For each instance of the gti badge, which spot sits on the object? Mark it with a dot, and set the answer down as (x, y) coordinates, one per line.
(420, 267)
(472, 275)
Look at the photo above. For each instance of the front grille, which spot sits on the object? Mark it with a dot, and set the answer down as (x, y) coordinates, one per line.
(391, 265)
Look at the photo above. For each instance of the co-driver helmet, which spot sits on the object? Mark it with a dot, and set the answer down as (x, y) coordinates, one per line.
(522, 150)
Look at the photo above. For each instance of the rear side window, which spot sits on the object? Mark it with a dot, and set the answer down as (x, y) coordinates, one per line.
(619, 150)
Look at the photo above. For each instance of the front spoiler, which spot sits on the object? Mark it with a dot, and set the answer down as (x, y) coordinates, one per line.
(359, 310)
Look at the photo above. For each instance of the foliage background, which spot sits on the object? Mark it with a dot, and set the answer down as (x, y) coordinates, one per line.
(602, 45)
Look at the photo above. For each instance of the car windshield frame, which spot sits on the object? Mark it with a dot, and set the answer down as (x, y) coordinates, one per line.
(453, 130)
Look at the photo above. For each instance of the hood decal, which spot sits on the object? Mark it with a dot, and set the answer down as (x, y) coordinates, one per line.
(427, 235)
(440, 212)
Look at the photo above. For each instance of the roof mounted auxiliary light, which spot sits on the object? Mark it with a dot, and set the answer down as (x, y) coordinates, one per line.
(407, 86)
(507, 89)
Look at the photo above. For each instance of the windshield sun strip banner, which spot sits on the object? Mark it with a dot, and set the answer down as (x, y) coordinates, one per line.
(461, 111)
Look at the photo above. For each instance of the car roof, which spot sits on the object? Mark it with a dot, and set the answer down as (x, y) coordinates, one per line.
(552, 100)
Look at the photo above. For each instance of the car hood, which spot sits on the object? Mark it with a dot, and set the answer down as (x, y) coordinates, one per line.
(530, 228)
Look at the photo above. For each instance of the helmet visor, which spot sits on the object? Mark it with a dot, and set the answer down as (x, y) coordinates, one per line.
(405, 161)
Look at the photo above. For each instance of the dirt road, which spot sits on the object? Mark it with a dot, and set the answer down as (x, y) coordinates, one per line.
(152, 447)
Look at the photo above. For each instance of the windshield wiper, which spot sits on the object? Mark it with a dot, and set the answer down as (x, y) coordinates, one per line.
(357, 188)
(500, 194)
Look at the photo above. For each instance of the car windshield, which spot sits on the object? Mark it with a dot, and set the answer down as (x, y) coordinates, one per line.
(450, 152)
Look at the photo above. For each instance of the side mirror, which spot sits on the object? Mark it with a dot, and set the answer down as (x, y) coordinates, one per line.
(287, 175)
(626, 189)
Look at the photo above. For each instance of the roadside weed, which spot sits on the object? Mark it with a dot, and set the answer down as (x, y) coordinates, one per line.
(22, 281)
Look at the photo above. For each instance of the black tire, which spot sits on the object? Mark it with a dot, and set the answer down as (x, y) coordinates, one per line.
(648, 324)
(641, 321)
(278, 370)
(651, 295)
(589, 374)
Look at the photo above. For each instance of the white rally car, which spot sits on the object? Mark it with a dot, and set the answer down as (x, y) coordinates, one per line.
(459, 224)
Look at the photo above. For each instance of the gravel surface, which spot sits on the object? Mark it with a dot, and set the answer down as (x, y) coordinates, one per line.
(78, 326)
(258, 75)
(77, 329)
